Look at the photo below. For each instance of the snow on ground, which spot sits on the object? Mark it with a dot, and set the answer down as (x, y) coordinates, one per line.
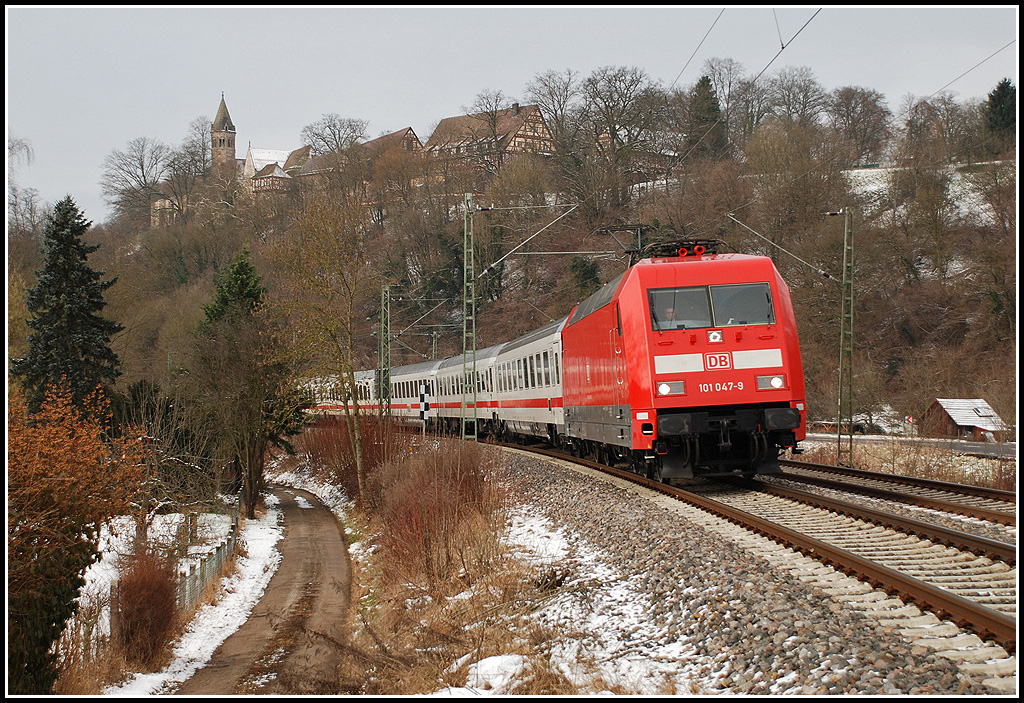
(213, 623)
(617, 634)
(616, 641)
(615, 617)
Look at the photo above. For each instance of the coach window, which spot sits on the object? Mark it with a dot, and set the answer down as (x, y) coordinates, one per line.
(533, 377)
(547, 370)
(557, 374)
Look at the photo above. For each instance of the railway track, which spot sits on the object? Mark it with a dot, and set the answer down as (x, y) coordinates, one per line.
(972, 501)
(968, 579)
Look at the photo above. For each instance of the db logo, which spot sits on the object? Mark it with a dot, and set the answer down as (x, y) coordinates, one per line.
(717, 361)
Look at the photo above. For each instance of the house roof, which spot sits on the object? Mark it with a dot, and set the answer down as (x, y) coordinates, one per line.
(390, 141)
(297, 158)
(475, 127)
(325, 163)
(287, 160)
(271, 170)
(972, 412)
(262, 157)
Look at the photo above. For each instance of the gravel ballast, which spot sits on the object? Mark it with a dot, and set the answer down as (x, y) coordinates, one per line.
(752, 628)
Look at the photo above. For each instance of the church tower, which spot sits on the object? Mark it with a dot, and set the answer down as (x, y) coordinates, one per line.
(222, 134)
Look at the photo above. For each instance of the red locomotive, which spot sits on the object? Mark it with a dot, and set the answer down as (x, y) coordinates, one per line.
(686, 365)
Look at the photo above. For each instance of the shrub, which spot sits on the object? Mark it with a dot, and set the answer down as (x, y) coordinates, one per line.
(64, 481)
(436, 507)
(148, 608)
(327, 443)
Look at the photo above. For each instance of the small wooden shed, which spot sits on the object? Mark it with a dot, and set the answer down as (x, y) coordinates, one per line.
(962, 418)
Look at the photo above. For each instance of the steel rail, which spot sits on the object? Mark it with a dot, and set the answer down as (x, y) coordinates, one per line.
(987, 623)
(975, 544)
(921, 501)
(961, 488)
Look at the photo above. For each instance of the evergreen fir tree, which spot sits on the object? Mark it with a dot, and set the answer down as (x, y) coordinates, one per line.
(238, 288)
(706, 131)
(69, 339)
(1001, 110)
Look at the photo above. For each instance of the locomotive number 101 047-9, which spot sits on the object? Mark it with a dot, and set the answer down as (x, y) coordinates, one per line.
(719, 387)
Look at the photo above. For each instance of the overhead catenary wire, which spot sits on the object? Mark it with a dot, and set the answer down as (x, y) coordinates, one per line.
(799, 176)
(1003, 48)
(752, 82)
(780, 248)
(491, 267)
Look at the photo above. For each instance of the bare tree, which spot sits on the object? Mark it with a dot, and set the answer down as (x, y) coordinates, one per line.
(753, 104)
(131, 178)
(727, 79)
(619, 105)
(333, 133)
(327, 272)
(18, 149)
(558, 95)
(622, 110)
(797, 95)
(862, 118)
(197, 145)
(25, 214)
(488, 112)
(939, 130)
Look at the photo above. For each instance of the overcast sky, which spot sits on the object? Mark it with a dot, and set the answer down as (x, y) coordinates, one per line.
(82, 82)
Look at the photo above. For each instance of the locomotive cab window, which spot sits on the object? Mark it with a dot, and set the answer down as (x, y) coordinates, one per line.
(711, 306)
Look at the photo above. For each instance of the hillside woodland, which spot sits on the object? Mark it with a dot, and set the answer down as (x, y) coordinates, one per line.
(931, 183)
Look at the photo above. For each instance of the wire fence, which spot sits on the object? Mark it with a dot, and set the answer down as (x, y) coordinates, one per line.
(198, 567)
(202, 569)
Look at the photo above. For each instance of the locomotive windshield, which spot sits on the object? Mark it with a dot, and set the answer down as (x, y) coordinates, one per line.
(695, 307)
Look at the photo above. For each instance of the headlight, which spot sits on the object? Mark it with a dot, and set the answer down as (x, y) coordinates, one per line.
(771, 383)
(671, 388)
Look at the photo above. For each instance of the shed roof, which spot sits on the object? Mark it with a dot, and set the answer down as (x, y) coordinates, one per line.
(972, 412)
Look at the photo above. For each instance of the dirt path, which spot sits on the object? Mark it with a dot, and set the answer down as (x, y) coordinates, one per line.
(288, 644)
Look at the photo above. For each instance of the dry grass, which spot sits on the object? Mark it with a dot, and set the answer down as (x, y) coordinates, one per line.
(918, 461)
(437, 589)
(87, 657)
